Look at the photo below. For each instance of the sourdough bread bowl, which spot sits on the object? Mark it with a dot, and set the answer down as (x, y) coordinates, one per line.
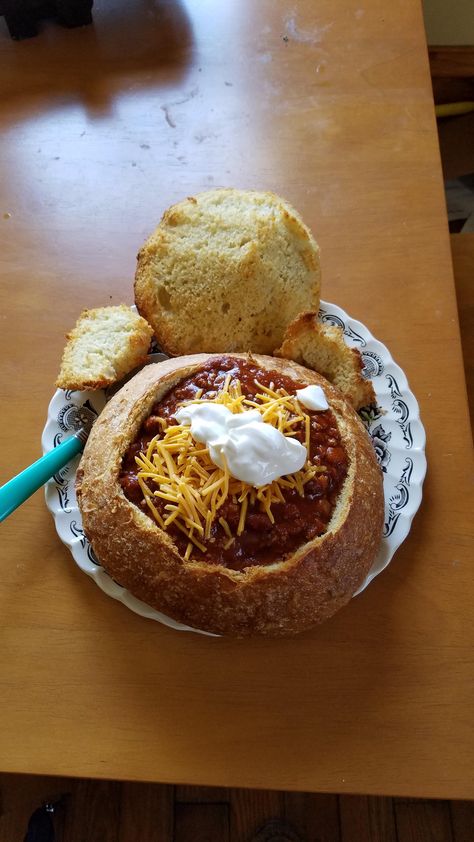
(281, 591)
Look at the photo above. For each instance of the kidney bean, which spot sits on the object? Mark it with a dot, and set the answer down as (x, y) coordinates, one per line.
(335, 455)
(152, 426)
(131, 487)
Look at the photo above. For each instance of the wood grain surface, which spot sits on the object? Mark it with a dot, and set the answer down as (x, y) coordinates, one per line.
(138, 812)
(102, 128)
(423, 820)
(462, 248)
(146, 813)
(201, 822)
(368, 818)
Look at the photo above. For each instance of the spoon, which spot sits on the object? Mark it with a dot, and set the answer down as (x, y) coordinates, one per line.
(24, 484)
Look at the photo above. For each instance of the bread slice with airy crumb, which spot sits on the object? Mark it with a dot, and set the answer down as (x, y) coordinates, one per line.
(227, 270)
(322, 348)
(104, 346)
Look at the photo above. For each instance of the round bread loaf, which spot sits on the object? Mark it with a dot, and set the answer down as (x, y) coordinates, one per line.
(291, 594)
(227, 270)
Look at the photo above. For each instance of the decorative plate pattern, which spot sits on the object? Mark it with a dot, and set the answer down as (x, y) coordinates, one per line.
(394, 427)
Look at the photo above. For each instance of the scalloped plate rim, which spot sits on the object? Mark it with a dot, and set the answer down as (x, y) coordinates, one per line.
(387, 551)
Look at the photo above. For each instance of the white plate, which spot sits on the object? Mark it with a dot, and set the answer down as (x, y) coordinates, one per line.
(395, 429)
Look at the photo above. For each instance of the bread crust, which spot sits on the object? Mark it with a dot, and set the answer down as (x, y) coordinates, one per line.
(227, 270)
(125, 338)
(284, 598)
(322, 348)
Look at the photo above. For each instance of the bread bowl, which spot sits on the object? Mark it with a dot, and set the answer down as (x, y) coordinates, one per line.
(280, 591)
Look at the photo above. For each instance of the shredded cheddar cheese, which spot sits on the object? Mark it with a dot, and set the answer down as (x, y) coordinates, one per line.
(179, 471)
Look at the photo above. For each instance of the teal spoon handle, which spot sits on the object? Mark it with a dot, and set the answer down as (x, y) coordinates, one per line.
(18, 489)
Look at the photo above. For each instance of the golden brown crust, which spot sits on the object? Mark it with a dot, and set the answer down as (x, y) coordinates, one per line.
(322, 348)
(281, 599)
(105, 345)
(225, 271)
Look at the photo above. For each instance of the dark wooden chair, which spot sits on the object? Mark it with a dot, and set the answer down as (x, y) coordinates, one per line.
(22, 16)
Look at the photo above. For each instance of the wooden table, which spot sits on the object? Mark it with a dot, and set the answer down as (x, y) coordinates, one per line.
(330, 105)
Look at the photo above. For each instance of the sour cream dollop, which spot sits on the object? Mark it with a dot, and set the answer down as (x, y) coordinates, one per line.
(312, 397)
(253, 450)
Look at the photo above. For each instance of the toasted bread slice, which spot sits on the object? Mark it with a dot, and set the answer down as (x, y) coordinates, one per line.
(227, 270)
(103, 347)
(322, 348)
